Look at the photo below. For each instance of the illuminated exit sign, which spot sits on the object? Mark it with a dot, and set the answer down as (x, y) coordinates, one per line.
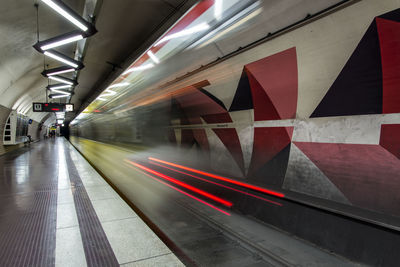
(52, 107)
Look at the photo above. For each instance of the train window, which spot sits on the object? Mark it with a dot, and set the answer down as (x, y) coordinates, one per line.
(7, 138)
(8, 127)
(7, 133)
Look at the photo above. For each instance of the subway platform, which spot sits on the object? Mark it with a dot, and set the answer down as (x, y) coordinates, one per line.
(56, 210)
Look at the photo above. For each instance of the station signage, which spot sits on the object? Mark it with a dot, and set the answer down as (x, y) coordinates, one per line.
(52, 107)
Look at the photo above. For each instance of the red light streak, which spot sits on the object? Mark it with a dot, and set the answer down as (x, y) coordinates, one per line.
(208, 181)
(192, 188)
(253, 187)
(185, 193)
(55, 109)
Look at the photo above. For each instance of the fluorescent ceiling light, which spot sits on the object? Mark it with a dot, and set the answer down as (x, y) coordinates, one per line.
(60, 92)
(62, 42)
(60, 72)
(60, 121)
(101, 99)
(67, 13)
(198, 28)
(61, 79)
(118, 85)
(143, 67)
(218, 9)
(57, 71)
(58, 96)
(153, 57)
(57, 86)
(61, 59)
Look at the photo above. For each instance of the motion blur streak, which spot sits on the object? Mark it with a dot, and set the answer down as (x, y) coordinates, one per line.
(185, 193)
(253, 187)
(205, 180)
(194, 189)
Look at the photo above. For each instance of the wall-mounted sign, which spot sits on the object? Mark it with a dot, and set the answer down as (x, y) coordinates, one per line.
(52, 107)
(69, 107)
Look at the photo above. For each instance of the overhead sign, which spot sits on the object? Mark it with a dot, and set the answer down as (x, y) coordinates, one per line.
(52, 107)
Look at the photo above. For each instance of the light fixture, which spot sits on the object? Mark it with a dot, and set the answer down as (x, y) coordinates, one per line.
(62, 80)
(59, 70)
(153, 57)
(198, 28)
(143, 67)
(60, 40)
(60, 121)
(58, 86)
(64, 59)
(61, 92)
(118, 85)
(58, 95)
(69, 14)
(62, 125)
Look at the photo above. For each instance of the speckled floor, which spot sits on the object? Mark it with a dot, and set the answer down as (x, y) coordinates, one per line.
(56, 210)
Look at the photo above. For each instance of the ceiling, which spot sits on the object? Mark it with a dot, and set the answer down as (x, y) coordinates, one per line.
(125, 30)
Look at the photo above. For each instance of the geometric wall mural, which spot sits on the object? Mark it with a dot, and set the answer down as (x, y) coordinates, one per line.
(270, 155)
(353, 160)
(390, 138)
(367, 175)
(269, 85)
(369, 82)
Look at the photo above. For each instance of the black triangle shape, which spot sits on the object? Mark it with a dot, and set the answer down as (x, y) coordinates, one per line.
(392, 15)
(242, 99)
(215, 99)
(273, 172)
(358, 88)
(189, 140)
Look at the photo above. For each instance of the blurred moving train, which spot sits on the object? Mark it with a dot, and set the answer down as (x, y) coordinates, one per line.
(292, 102)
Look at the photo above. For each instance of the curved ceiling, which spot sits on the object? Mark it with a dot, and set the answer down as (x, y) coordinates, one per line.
(125, 30)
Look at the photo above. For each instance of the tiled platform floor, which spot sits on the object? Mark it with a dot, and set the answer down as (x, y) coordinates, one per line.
(55, 209)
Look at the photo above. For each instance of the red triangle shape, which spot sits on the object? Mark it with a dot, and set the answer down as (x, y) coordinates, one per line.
(268, 142)
(278, 78)
(263, 107)
(389, 40)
